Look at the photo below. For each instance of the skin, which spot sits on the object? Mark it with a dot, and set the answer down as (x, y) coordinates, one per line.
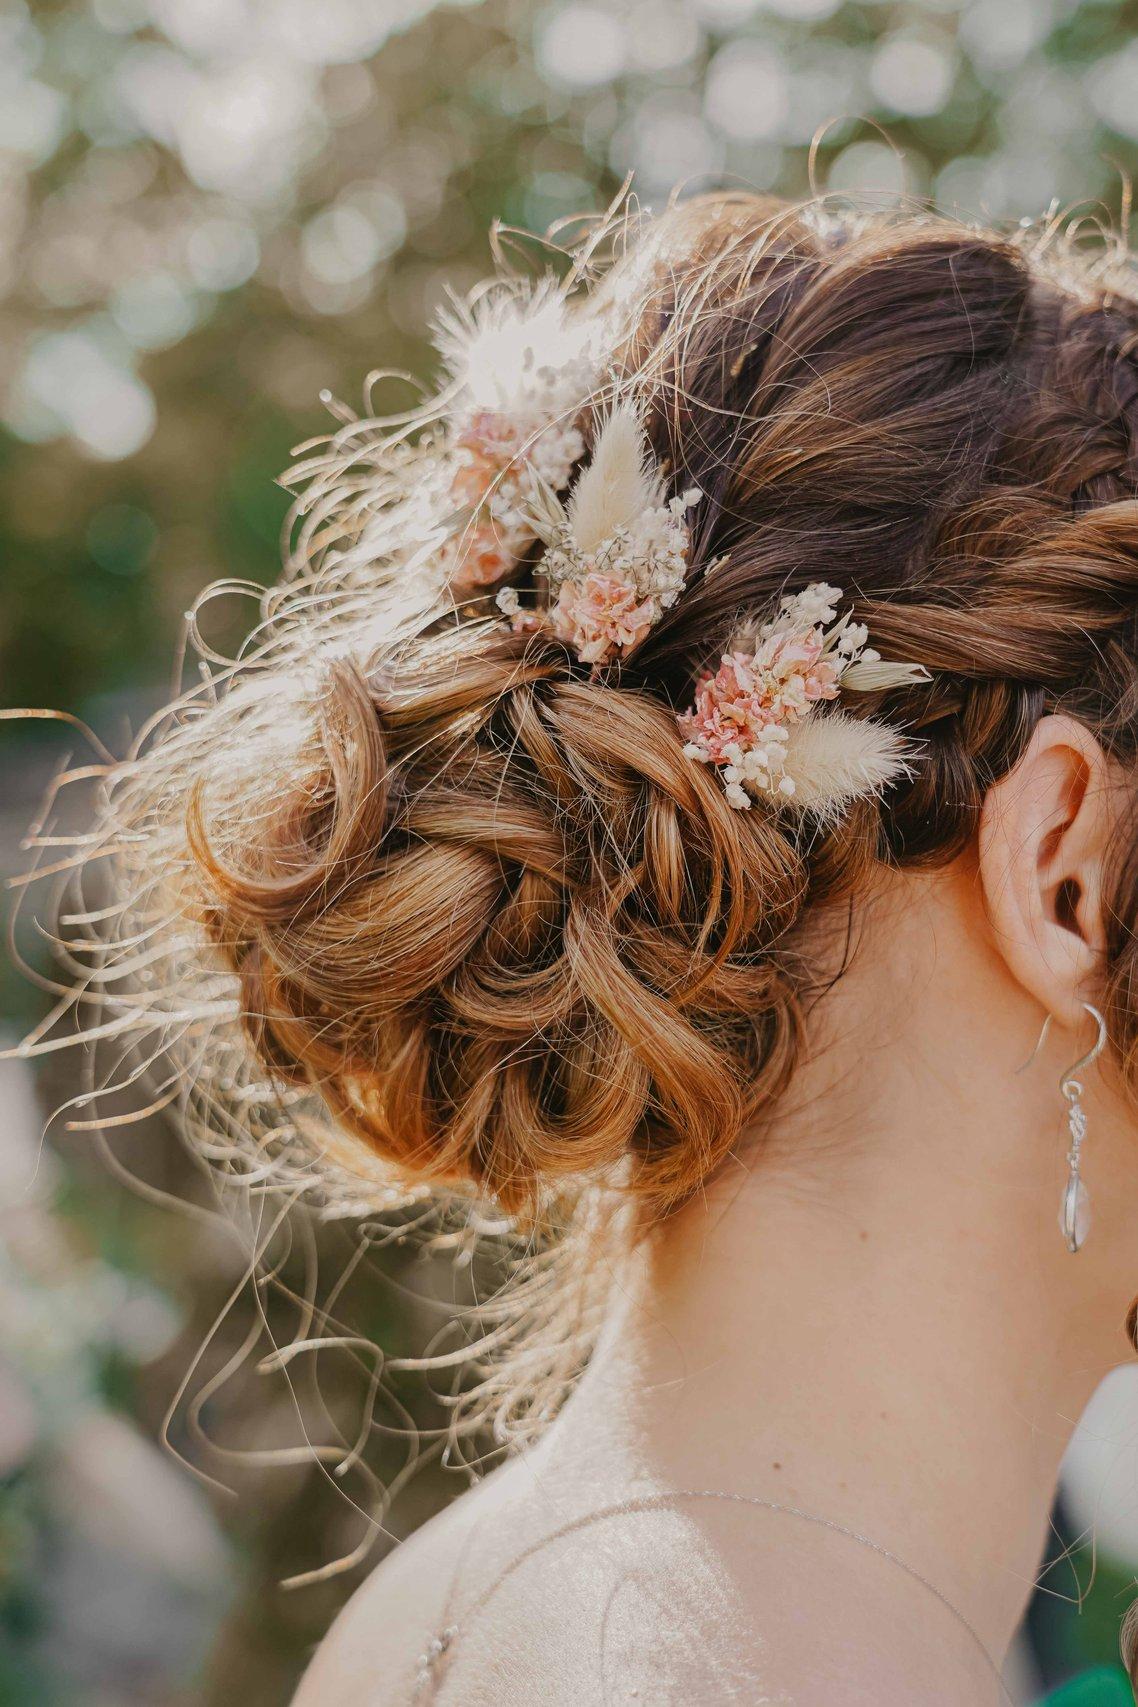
(872, 1317)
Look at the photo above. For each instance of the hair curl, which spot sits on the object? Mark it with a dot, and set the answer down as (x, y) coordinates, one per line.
(425, 910)
(494, 917)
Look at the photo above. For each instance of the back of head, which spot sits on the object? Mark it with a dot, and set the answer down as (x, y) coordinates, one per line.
(468, 913)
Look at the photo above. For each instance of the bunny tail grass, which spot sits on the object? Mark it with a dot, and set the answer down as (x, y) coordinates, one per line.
(621, 482)
(835, 759)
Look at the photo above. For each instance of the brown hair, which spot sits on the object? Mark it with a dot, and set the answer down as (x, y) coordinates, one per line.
(474, 894)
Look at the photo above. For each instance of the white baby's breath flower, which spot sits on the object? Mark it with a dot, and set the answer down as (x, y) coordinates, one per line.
(617, 548)
(753, 718)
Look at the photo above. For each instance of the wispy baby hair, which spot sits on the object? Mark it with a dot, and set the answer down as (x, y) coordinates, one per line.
(425, 893)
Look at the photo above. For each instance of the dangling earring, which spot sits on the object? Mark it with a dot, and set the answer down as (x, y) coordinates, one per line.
(1075, 1204)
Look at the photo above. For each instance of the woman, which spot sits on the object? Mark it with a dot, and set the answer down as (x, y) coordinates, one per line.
(688, 764)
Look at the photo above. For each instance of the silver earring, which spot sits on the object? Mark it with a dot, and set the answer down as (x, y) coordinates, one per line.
(1075, 1203)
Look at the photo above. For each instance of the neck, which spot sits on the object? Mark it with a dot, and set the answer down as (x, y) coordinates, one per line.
(875, 1319)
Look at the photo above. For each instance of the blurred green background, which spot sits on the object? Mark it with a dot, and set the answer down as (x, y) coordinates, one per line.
(211, 210)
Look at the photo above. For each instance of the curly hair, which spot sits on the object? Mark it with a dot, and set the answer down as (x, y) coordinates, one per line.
(481, 903)
(426, 912)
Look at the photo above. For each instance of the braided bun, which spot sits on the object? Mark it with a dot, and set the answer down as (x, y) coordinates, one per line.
(511, 933)
(478, 903)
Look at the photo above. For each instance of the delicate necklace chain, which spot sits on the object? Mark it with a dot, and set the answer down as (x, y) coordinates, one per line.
(441, 1644)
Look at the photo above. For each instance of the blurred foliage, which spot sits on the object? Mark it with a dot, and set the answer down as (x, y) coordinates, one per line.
(211, 210)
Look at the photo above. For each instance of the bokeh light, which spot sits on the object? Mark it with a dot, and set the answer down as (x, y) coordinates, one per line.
(212, 210)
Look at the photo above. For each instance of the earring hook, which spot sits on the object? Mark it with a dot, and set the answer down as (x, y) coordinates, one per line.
(1068, 1080)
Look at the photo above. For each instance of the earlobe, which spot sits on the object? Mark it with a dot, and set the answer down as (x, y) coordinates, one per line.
(1044, 837)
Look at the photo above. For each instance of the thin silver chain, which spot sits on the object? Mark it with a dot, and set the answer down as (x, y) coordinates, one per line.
(441, 1645)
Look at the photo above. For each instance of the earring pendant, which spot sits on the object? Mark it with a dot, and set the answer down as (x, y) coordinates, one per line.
(1075, 1205)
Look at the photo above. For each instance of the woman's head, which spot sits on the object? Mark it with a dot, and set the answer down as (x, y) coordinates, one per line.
(478, 903)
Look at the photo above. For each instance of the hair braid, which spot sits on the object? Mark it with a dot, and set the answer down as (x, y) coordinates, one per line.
(483, 904)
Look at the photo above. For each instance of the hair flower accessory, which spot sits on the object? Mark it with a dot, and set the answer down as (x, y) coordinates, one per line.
(522, 368)
(755, 717)
(617, 550)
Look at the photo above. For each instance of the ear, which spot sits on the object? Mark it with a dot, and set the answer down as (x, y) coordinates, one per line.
(1044, 835)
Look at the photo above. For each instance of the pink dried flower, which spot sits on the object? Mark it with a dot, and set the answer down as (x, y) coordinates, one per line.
(497, 456)
(490, 433)
(797, 674)
(488, 443)
(747, 716)
(730, 708)
(521, 621)
(478, 557)
(776, 684)
(599, 615)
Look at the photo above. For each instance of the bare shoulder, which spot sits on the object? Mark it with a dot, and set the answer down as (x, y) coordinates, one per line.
(550, 1601)
(372, 1652)
(557, 1594)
